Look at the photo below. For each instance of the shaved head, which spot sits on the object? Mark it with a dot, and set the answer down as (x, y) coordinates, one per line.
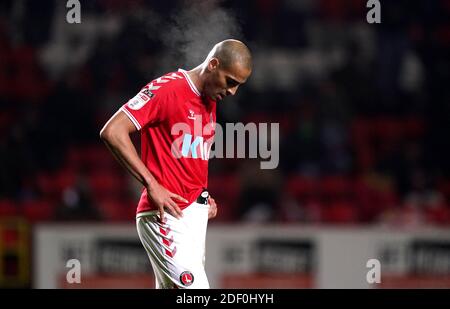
(231, 53)
(227, 66)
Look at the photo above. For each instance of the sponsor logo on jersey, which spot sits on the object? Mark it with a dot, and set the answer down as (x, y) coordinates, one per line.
(191, 145)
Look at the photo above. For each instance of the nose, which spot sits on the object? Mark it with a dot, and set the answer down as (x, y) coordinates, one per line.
(232, 91)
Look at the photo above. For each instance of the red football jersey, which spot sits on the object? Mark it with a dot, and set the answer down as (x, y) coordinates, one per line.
(177, 130)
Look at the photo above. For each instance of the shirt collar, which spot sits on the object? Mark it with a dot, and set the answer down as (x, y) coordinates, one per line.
(191, 84)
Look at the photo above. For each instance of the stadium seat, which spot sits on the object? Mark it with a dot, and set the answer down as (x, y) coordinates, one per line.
(8, 208)
(360, 130)
(98, 157)
(92, 158)
(439, 215)
(388, 129)
(340, 212)
(38, 211)
(53, 184)
(373, 201)
(303, 188)
(336, 188)
(413, 127)
(116, 210)
(107, 183)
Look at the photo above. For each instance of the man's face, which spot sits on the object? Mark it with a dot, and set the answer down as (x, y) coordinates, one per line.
(224, 82)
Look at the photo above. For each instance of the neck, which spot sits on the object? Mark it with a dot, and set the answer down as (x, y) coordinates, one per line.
(196, 75)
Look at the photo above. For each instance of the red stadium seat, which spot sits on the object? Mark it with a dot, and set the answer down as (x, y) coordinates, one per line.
(439, 215)
(26, 82)
(52, 185)
(129, 211)
(116, 210)
(373, 201)
(365, 156)
(8, 208)
(303, 188)
(414, 127)
(99, 157)
(388, 129)
(91, 158)
(64, 178)
(336, 188)
(361, 130)
(340, 212)
(107, 184)
(38, 211)
(314, 210)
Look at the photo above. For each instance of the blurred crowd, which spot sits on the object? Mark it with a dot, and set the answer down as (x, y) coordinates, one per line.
(364, 109)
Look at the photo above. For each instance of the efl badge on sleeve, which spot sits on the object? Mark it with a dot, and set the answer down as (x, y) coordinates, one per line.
(142, 98)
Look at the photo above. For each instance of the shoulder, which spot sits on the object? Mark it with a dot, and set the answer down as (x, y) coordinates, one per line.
(167, 84)
(160, 90)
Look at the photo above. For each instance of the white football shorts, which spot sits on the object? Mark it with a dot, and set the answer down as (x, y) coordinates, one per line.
(176, 247)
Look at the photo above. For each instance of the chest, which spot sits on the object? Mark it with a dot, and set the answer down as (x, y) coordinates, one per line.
(192, 116)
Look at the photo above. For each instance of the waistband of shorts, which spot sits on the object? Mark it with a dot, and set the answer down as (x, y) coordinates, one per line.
(201, 199)
(146, 213)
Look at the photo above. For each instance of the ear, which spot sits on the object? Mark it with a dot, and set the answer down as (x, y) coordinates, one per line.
(213, 64)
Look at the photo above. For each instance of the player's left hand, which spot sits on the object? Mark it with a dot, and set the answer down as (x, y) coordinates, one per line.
(212, 212)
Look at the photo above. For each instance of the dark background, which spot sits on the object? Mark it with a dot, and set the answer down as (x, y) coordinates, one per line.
(363, 108)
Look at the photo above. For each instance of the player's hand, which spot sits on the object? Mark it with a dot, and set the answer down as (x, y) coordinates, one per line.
(163, 199)
(212, 211)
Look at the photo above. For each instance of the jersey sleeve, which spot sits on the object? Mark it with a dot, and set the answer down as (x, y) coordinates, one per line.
(147, 107)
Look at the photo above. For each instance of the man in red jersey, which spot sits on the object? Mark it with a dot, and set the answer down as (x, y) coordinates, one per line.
(176, 115)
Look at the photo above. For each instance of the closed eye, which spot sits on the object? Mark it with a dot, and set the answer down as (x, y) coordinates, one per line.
(231, 82)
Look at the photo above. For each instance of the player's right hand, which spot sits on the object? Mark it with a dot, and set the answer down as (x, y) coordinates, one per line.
(163, 198)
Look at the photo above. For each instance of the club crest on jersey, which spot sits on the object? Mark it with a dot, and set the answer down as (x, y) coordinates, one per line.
(186, 278)
(140, 99)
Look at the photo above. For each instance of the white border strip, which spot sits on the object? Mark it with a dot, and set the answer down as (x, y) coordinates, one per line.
(133, 120)
(191, 84)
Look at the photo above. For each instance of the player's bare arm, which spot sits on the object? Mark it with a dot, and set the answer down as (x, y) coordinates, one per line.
(212, 212)
(116, 135)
